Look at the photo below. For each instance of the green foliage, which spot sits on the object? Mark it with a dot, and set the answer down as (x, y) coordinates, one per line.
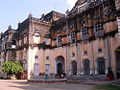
(12, 67)
(106, 87)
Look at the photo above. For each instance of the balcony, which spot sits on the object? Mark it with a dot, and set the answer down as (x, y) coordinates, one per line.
(9, 45)
(117, 4)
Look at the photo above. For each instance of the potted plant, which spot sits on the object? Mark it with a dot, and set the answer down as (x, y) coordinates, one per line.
(110, 75)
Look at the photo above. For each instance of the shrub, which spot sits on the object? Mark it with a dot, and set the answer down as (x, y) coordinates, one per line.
(12, 67)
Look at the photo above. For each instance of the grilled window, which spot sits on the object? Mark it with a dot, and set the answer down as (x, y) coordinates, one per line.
(85, 34)
(98, 30)
(59, 41)
(72, 37)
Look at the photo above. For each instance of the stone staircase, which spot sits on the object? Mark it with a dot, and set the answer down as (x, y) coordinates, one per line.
(69, 79)
(46, 79)
(79, 79)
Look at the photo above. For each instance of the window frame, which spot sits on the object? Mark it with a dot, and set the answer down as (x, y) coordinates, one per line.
(85, 33)
(59, 41)
(98, 29)
(73, 37)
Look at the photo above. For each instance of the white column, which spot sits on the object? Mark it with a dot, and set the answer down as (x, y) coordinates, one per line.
(67, 52)
(79, 61)
(55, 67)
(108, 62)
(92, 57)
(29, 62)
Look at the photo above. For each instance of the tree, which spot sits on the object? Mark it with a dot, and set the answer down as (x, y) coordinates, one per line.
(12, 67)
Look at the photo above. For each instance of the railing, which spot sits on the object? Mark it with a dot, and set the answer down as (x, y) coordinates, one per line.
(10, 46)
(117, 4)
(87, 6)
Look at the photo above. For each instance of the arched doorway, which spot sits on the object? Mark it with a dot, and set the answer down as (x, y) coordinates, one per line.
(59, 65)
(117, 53)
(59, 68)
(74, 67)
(86, 67)
(101, 66)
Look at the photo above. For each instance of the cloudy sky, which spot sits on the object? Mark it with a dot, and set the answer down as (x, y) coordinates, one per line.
(71, 2)
(13, 11)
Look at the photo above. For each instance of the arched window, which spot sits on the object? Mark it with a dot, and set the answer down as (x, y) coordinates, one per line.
(86, 67)
(101, 65)
(74, 67)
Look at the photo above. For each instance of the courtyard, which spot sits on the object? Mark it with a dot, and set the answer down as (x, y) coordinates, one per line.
(24, 85)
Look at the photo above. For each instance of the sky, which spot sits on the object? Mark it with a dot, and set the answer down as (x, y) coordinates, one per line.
(14, 11)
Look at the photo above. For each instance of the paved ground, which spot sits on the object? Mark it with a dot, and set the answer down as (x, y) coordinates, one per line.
(24, 85)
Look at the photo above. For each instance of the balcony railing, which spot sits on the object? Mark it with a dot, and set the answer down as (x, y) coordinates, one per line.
(89, 5)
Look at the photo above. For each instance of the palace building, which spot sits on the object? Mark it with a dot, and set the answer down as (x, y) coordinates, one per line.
(83, 42)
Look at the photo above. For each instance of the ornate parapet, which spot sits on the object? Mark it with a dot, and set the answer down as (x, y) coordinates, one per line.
(117, 4)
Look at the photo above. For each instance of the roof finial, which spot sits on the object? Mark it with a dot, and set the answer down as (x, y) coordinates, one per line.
(9, 27)
(30, 15)
(67, 11)
(19, 23)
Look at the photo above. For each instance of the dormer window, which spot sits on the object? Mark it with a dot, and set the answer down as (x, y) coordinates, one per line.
(72, 37)
(59, 41)
(98, 29)
(85, 34)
